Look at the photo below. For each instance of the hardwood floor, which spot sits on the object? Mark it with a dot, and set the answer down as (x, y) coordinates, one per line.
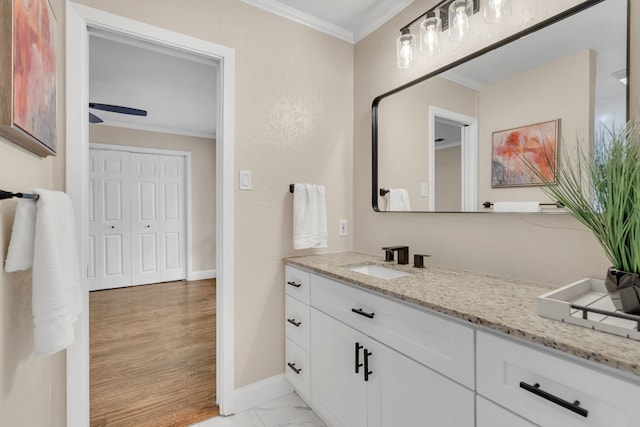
(153, 354)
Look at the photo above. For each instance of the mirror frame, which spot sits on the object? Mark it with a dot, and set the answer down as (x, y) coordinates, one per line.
(530, 30)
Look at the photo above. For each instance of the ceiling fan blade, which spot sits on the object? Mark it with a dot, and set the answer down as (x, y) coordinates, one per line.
(94, 119)
(118, 109)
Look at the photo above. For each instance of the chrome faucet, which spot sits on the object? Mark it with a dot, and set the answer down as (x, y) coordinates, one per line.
(403, 254)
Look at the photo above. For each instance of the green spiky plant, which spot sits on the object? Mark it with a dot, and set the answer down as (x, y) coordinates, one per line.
(601, 189)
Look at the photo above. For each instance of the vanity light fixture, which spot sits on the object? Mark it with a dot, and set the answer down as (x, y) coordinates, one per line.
(496, 11)
(406, 48)
(451, 15)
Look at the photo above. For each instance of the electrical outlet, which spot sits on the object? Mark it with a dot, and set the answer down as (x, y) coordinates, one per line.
(343, 228)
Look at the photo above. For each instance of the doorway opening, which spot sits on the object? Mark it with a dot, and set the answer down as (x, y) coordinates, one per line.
(453, 159)
(80, 21)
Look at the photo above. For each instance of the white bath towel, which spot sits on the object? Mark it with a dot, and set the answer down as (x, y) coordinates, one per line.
(309, 216)
(516, 207)
(56, 273)
(20, 253)
(398, 200)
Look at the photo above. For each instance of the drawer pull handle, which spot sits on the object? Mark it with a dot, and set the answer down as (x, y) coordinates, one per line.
(294, 323)
(367, 372)
(574, 407)
(294, 284)
(363, 313)
(358, 364)
(293, 367)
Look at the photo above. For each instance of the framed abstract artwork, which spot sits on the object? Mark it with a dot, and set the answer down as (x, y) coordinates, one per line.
(28, 75)
(516, 151)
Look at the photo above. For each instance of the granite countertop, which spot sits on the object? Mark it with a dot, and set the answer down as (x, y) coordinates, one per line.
(500, 303)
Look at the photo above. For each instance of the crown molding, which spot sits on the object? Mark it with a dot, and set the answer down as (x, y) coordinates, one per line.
(303, 18)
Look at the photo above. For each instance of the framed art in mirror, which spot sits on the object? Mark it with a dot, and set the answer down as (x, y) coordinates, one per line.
(537, 143)
(28, 75)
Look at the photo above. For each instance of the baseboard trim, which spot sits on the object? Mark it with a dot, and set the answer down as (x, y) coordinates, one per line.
(261, 392)
(201, 275)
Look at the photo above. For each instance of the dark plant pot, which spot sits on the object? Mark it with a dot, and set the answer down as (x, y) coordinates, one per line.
(624, 290)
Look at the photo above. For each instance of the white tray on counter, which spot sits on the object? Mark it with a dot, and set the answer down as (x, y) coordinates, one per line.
(589, 293)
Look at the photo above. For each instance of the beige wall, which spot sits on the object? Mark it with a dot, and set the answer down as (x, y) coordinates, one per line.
(203, 180)
(532, 97)
(403, 134)
(552, 248)
(32, 389)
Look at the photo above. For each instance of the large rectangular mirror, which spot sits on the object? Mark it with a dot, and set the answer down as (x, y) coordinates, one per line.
(434, 138)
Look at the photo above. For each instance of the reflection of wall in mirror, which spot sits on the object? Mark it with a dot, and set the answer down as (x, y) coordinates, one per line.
(448, 179)
(403, 129)
(563, 89)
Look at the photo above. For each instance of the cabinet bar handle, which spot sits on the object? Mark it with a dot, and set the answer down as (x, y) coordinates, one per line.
(294, 284)
(573, 407)
(363, 313)
(358, 364)
(367, 372)
(293, 366)
(294, 323)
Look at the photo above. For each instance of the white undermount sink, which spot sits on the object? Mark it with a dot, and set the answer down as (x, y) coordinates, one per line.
(377, 271)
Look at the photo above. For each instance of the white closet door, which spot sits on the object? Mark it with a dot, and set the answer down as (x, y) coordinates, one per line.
(158, 220)
(145, 219)
(172, 217)
(109, 254)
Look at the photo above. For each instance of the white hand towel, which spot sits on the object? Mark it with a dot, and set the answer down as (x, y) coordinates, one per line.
(56, 273)
(20, 253)
(309, 216)
(398, 200)
(516, 207)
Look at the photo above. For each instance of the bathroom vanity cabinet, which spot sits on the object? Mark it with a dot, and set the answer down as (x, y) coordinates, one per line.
(366, 359)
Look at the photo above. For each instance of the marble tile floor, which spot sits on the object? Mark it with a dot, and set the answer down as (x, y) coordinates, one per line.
(286, 411)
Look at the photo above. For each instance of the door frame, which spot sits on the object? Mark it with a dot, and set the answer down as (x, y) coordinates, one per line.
(79, 19)
(469, 154)
(188, 254)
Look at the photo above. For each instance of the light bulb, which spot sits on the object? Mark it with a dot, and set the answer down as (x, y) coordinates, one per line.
(459, 12)
(429, 29)
(405, 49)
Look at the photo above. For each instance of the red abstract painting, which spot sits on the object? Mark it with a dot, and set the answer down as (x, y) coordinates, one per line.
(517, 150)
(34, 70)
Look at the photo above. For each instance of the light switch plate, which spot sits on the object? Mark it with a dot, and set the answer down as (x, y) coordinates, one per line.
(424, 189)
(245, 180)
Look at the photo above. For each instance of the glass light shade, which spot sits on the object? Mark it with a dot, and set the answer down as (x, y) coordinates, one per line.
(430, 27)
(406, 49)
(496, 11)
(459, 13)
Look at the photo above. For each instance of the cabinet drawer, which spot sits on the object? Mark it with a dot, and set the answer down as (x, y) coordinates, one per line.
(297, 368)
(297, 321)
(296, 283)
(506, 370)
(488, 414)
(440, 344)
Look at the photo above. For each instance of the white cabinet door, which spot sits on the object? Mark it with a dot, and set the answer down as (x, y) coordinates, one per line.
(405, 393)
(338, 393)
(172, 217)
(109, 243)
